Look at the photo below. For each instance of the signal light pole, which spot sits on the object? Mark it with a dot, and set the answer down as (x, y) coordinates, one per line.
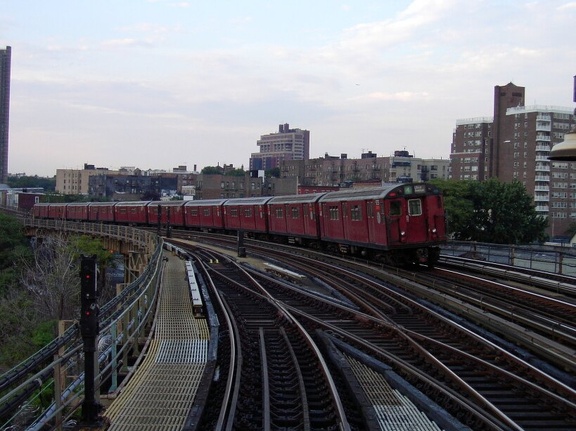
(89, 328)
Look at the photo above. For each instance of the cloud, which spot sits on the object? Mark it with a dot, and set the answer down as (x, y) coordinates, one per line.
(126, 42)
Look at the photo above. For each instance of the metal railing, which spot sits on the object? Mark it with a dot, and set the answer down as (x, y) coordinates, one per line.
(548, 258)
(123, 321)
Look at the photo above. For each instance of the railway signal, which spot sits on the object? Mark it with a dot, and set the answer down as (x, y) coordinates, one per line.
(89, 328)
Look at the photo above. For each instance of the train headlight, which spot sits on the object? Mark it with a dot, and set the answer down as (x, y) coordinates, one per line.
(402, 236)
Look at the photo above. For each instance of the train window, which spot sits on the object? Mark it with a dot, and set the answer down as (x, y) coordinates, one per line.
(193, 212)
(414, 207)
(370, 209)
(334, 213)
(355, 213)
(295, 213)
(279, 213)
(233, 212)
(395, 208)
(248, 212)
(206, 212)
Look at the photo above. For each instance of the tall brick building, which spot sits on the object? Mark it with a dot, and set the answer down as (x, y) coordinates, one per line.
(515, 145)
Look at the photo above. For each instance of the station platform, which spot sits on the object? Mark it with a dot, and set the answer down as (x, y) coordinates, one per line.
(161, 392)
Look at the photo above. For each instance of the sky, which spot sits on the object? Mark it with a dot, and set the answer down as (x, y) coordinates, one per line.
(156, 84)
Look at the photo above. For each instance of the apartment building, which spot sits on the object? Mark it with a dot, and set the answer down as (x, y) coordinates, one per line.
(76, 181)
(332, 171)
(515, 145)
(286, 144)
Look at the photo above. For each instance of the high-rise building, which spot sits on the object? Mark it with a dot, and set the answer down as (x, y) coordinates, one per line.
(287, 144)
(515, 145)
(5, 59)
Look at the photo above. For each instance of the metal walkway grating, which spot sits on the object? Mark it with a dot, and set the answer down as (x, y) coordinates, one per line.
(160, 394)
(395, 411)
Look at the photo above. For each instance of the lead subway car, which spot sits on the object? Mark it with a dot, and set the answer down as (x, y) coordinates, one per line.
(397, 224)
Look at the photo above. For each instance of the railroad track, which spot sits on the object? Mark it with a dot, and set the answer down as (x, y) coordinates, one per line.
(279, 381)
(441, 358)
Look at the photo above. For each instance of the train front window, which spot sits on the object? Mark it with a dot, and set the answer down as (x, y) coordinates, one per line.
(414, 207)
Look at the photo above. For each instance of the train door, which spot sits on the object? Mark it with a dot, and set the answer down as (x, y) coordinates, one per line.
(416, 224)
(393, 213)
(376, 219)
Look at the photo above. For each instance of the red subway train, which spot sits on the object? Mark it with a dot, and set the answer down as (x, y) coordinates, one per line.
(398, 224)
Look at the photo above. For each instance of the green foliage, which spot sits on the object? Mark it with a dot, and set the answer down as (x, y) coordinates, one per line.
(459, 207)
(13, 247)
(43, 334)
(48, 184)
(219, 170)
(274, 172)
(60, 198)
(17, 323)
(212, 170)
(235, 173)
(491, 211)
(40, 291)
(571, 231)
(88, 246)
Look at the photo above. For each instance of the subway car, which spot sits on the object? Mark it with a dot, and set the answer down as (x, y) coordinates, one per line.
(397, 223)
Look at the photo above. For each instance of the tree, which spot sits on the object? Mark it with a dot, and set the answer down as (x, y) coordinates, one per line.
(51, 279)
(48, 184)
(459, 207)
(235, 173)
(13, 247)
(47, 290)
(212, 170)
(274, 172)
(492, 211)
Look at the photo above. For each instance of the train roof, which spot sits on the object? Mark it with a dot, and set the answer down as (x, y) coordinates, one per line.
(132, 203)
(386, 191)
(293, 199)
(248, 201)
(102, 204)
(78, 204)
(166, 203)
(206, 202)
